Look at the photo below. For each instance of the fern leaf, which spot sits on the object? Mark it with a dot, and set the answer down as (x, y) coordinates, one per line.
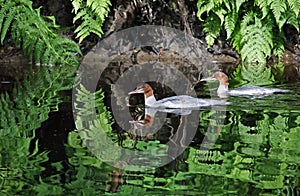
(5, 9)
(92, 13)
(7, 24)
(221, 14)
(39, 50)
(30, 29)
(29, 44)
(292, 19)
(247, 19)
(264, 6)
(236, 42)
(295, 6)
(82, 31)
(227, 4)
(257, 42)
(278, 7)
(230, 23)
(238, 4)
(202, 7)
(99, 7)
(76, 5)
(212, 28)
(80, 14)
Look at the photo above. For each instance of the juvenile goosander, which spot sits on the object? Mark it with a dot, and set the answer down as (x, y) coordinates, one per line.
(248, 91)
(181, 101)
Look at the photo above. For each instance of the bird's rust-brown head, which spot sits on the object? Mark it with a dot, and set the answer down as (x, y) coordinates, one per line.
(220, 76)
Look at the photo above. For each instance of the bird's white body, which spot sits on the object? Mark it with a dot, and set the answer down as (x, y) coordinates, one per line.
(245, 91)
(181, 101)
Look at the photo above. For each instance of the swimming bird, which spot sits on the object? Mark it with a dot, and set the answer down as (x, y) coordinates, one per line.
(246, 91)
(181, 101)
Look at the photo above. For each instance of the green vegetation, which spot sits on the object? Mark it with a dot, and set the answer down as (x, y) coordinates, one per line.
(256, 151)
(254, 28)
(93, 122)
(21, 114)
(37, 36)
(92, 14)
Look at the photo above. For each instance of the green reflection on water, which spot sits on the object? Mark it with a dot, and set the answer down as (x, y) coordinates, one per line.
(22, 112)
(256, 152)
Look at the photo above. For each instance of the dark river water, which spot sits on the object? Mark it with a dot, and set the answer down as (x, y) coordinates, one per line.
(248, 148)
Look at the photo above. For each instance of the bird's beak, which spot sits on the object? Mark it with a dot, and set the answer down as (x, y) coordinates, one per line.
(136, 91)
(208, 79)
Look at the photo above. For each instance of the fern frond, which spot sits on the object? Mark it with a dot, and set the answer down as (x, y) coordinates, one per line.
(76, 5)
(203, 6)
(229, 4)
(92, 14)
(5, 7)
(236, 40)
(254, 28)
(278, 40)
(247, 19)
(230, 23)
(212, 28)
(221, 14)
(256, 42)
(7, 16)
(264, 6)
(292, 19)
(101, 8)
(238, 4)
(295, 6)
(39, 50)
(278, 7)
(29, 28)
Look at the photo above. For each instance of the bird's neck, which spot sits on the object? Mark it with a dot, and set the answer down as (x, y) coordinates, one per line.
(150, 100)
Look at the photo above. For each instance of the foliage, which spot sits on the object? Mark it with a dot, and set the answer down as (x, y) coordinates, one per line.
(92, 14)
(33, 100)
(22, 112)
(252, 74)
(255, 147)
(93, 122)
(255, 28)
(35, 34)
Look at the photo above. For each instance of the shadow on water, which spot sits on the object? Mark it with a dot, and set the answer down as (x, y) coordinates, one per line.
(249, 147)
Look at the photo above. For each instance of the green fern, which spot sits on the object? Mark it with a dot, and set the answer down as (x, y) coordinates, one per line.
(93, 123)
(230, 23)
(252, 73)
(256, 42)
(212, 28)
(27, 107)
(278, 7)
(92, 14)
(295, 6)
(21, 113)
(254, 28)
(37, 37)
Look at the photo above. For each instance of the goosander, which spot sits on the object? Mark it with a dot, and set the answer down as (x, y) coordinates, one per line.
(246, 91)
(181, 101)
